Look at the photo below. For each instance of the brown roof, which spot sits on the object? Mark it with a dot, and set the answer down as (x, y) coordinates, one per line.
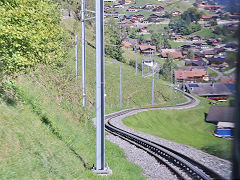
(144, 47)
(209, 89)
(174, 54)
(220, 114)
(193, 73)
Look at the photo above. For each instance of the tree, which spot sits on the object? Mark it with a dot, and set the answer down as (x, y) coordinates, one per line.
(113, 41)
(166, 69)
(141, 39)
(187, 22)
(190, 54)
(30, 34)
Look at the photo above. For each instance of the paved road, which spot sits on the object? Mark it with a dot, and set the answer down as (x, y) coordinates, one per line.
(220, 75)
(230, 71)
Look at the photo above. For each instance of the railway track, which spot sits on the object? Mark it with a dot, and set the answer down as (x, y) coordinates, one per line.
(180, 165)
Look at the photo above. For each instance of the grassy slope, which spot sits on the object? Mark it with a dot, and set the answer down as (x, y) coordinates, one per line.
(48, 134)
(183, 126)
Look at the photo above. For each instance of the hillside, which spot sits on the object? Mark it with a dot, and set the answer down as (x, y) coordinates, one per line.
(45, 131)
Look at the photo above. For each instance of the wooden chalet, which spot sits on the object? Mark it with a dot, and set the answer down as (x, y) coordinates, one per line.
(215, 91)
(191, 74)
(118, 6)
(212, 42)
(195, 38)
(217, 62)
(195, 63)
(146, 49)
(176, 13)
(208, 54)
(148, 6)
(206, 18)
(154, 17)
(132, 9)
(126, 1)
(143, 29)
(158, 9)
(174, 54)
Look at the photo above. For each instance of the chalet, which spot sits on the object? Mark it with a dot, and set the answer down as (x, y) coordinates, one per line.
(220, 114)
(191, 74)
(107, 8)
(177, 38)
(215, 91)
(174, 54)
(187, 46)
(148, 6)
(128, 23)
(143, 30)
(212, 7)
(148, 40)
(146, 49)
(176, 13)
(223, 117)
(149, 62)
(208, 54)
(140, 17)
(154, 17)
(126, 43)
(198, 55)
(195, 63)
(126, 1)
(158, 9)
(132, 9)
(206, 18)
(145, 21)
(195, 38)
(212, 42)
(114, 14)
(118, 6)
(217, 62)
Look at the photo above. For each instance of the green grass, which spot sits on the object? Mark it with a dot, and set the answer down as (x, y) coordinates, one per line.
(205, 33)
(157, 27)
(182, 126)
(174, 44)
(47, 134)
(211, 73)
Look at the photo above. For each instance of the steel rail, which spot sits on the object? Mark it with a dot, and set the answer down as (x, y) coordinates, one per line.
(191, 167)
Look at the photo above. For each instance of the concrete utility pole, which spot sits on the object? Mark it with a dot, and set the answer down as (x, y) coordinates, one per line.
(83, 54)
(152, 86)
(100, 103)
(136, 66)
(120, 86)
(142, 68)
(175, 82)
(171, 75)
(184, 81)
(76, 55)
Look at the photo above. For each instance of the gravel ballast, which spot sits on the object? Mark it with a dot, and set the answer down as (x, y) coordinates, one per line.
(152, 169)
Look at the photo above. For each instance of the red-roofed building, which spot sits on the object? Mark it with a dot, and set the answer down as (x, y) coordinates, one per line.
(146, 49)
(174, 54)
(126, 43)
(192, 74)
(206, 18)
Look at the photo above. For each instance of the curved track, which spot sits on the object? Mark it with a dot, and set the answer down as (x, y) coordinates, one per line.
(182, 166)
